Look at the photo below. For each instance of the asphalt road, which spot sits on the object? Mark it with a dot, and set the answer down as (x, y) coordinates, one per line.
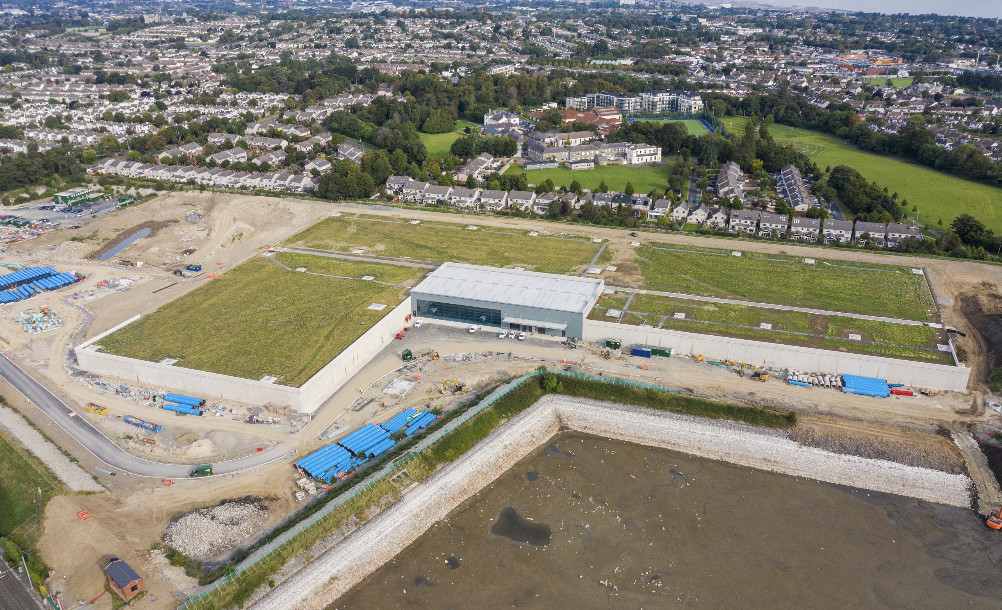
(107, 451)
(15, 593)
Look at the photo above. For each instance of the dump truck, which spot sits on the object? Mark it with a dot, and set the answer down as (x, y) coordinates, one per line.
(202, 470)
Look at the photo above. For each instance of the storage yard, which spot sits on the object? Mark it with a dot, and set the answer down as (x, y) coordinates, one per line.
(262, 317)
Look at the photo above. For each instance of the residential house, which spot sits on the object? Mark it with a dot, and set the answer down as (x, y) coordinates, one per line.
(521, 199)
(463, 197)
(414, 191)
(643, 154)
(493, 200)
(744, 221)
(395, 184)
(897, 231)
(698, 214)
(680, 212)
(836, 231)
(773, 225)
(791, 188)
(350, 151)
(543, 202)
(870, 233)
(717, 218)
(660, 209)
(320, 164)
(731, 181)
(436, 194)
(805, 229)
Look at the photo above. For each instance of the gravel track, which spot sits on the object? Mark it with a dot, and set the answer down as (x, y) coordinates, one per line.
(345, 565)
(74, 477)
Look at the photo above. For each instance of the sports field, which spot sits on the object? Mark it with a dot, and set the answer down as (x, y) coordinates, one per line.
(786, 327)
(896, 81)
(783, 280)
(695, 127)
(444, 242)
(937, 195)
(643, 177)
(261, 319)
(438, 144)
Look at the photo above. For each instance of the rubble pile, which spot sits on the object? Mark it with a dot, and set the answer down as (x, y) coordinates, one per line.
(208, 532)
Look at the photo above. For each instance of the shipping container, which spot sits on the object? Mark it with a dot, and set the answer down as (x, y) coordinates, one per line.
(613, 343)
(642, 351)
(664, 352)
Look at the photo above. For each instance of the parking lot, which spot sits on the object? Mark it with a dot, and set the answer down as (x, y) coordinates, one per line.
(51, 215)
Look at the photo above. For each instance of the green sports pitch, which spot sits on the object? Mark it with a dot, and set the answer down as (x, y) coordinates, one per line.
(695, 127)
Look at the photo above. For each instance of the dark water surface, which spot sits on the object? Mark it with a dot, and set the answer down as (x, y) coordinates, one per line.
(607, 524)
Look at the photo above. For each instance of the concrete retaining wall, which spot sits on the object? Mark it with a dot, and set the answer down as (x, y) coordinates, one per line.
(337, 570)
(760, 353)
(306, 398)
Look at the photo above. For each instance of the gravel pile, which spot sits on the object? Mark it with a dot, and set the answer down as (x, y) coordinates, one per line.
(74, 477)
(210, 531)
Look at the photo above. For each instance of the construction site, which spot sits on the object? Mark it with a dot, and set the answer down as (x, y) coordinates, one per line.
(305, 354)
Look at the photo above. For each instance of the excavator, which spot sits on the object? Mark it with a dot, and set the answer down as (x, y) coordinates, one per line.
(995, 519)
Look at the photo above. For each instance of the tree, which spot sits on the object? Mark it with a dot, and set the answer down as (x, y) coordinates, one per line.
(817, 211)
(575, 187)
(439, 121)
(629, 190)
(971, 230)
(89, 156)
(602, 187)
(471, 182)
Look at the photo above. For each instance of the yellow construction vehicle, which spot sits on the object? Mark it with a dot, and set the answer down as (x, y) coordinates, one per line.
(730, 362)
(699, 358)
(93, 408)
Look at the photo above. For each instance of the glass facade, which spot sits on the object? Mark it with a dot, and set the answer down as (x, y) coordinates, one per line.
(459, 313)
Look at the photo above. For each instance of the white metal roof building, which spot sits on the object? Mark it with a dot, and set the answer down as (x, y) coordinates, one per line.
(507, 298)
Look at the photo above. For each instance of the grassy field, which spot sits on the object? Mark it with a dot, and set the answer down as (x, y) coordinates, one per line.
(449, 242)
(695, 127)
(896, 81)
(788, 327)
(22, 476)
(260, 319)
(937, 195)
(644, 177)
(783, 280)
(438, 144)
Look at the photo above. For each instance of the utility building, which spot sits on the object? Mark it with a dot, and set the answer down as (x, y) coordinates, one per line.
(507, 298)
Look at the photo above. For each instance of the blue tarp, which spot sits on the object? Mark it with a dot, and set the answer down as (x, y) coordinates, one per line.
(865, 386)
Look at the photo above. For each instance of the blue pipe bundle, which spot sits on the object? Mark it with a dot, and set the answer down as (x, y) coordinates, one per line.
(182, 409)
(181, 399)
(398, 421)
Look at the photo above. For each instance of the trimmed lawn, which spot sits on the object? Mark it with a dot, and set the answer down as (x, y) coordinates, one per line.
(785, 280)
(644, 177)
(937, 195)
(260, 319)
(438, 144)
(442, 242)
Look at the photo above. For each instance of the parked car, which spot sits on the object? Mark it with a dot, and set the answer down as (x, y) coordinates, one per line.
(521, 336)
(417, 323)
(503, 334)
(472, 329)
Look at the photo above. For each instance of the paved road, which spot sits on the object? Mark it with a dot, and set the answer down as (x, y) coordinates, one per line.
(15, 593)
(107, 451)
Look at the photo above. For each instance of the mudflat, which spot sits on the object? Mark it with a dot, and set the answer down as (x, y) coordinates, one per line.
(638, 527)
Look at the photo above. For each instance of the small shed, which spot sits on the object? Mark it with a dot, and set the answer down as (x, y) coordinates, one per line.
(123, 579)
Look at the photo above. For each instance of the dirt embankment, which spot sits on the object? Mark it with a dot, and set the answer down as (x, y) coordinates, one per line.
(983, 310)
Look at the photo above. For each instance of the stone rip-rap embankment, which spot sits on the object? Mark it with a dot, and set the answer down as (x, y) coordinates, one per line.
(345, 565)
(74, 477)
